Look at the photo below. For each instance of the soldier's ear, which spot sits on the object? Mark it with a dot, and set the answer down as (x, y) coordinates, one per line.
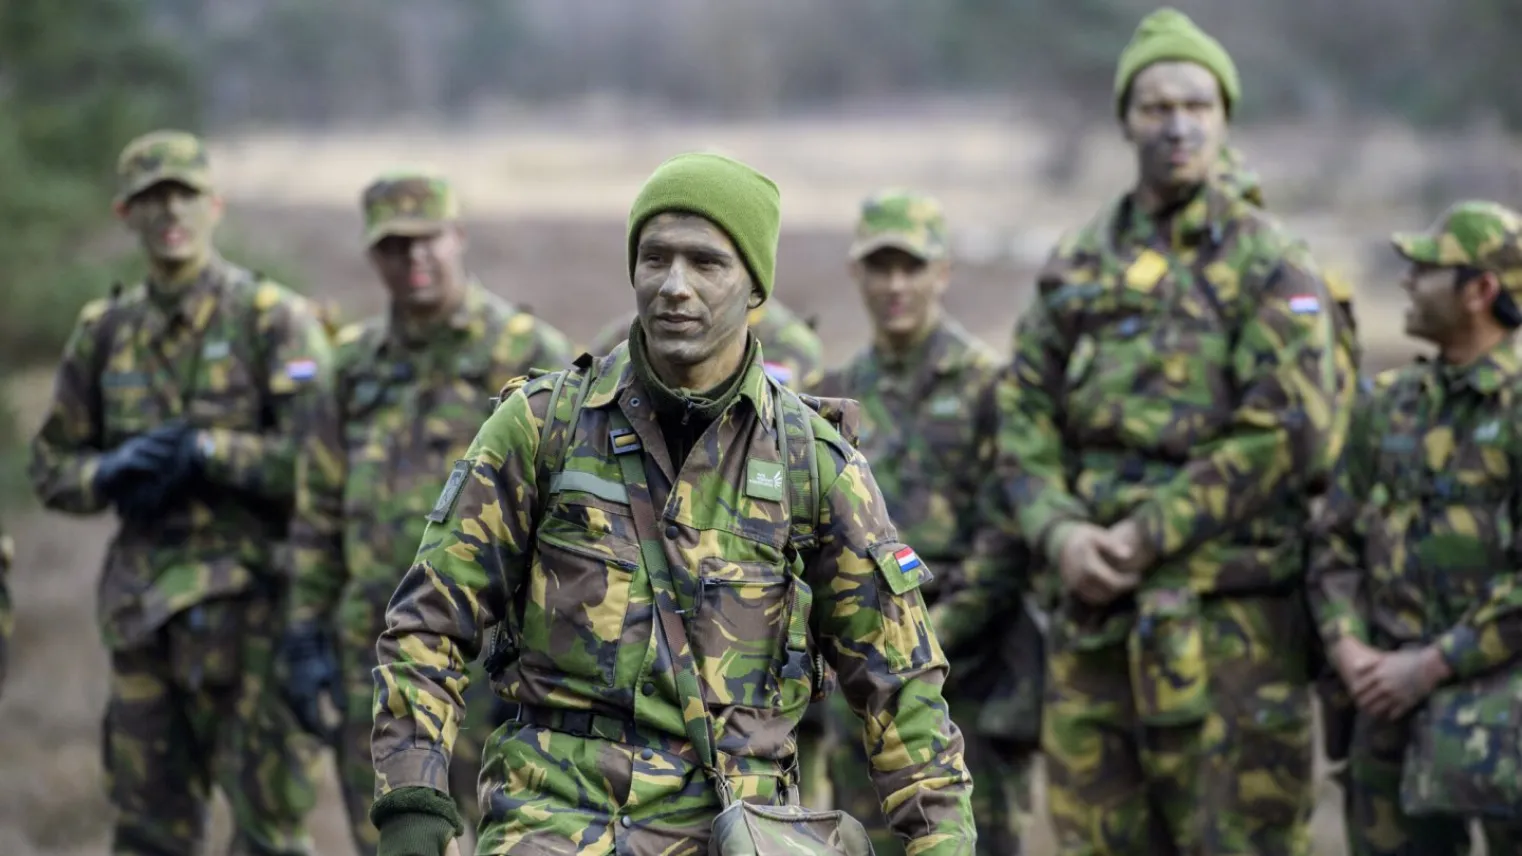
(119, 208)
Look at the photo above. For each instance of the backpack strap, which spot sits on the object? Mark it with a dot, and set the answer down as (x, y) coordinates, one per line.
(502, 642)
(795, 440)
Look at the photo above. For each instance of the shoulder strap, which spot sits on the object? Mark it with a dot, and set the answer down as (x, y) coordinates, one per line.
(795, 439)
(695, 717)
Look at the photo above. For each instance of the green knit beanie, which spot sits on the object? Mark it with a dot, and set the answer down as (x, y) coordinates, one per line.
(1168, 34)
(735, 197)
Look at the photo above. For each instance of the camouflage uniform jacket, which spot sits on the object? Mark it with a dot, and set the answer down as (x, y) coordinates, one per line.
(1421, 538)
(927, 429)
(399, 415)
(234, 355)
(794, 354)
(567, 563)
(1179, 372)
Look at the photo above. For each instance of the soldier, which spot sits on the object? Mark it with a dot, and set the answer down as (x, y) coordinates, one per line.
(175, 405)
(926, 390)
(410, 390)
(1415, 564)
(794, 354)
(672, 474)
(1172, 391)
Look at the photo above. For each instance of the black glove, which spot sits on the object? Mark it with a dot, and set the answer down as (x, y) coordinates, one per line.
(174, 445)
(311, 666)
(138, 459)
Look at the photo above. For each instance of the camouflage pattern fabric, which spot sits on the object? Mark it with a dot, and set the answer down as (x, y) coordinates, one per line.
(600, 758)
(1419, 544)
(7, 615)
(928, 426)
(235, 356)
(794, 354)
(408, 202)
(1176, 373)
(901, 219)
(162, 156)
(402, 412)
(1375, 823)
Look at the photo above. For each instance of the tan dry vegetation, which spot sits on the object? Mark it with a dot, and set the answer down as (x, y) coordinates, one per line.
(545, 211)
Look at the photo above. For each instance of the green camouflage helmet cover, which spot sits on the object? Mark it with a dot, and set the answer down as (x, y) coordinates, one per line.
(158, 156)
(1473, 233)
(903, 220)
(410, 202)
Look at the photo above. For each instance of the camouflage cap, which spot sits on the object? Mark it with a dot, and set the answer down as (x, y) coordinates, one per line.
(408, 202)
(904, 220)
(162, 156)
(1473, 233)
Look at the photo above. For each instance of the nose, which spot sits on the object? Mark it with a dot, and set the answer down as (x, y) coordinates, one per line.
(675, 288)
(417, 251)
(1176, 125)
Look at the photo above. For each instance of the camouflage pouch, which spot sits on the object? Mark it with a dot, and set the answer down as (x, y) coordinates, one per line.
(1464, 756)
(1166, 650)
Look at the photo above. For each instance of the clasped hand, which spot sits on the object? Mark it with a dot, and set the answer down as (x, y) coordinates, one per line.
(1099, 565)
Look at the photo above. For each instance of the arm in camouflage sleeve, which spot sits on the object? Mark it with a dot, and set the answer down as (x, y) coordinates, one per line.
(872, 627)
(455, 589)
(264, 463)
(322, 466)
(66, 450)
(1030, 455)
(989, 581)
(1489, 634)
(1272, 447)
(1336, 573)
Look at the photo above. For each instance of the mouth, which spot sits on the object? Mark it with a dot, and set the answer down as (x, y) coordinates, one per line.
(676, 322)
(174, 236)
(420, 279)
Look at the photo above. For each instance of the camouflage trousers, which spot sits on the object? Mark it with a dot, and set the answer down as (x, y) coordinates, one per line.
(1000, 774)
(1376, 825)
(577, 794)
(1238, 781)
(193, 707)
(362, 623)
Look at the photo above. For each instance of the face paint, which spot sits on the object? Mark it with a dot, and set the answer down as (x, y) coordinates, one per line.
(174, 223)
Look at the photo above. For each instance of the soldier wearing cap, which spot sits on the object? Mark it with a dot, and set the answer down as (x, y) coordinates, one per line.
(1165, 419)
(1417, 564)
(926, 390)
(410, 387)
(176, 406)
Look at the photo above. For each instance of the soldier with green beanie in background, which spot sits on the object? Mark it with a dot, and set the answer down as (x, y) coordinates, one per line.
(1173, 390)
(669, 543)
(1417, 565)
(178, 405)
(410, 387)
(926, 391)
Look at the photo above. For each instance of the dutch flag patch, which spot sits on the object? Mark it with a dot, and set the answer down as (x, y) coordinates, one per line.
(1305, 304)
(907, 559)
(779, 372)
(304, 369)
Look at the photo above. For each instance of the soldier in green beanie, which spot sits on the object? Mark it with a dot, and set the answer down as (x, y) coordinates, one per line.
(671, 547)
(1162, 427)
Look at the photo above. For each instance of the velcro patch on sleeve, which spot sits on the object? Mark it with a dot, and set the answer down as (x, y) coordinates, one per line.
(901, 567)
(451, 493)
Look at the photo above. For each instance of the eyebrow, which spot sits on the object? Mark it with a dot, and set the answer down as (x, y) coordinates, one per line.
(701, 251)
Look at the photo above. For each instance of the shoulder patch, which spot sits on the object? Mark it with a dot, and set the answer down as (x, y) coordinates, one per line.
(901, 567)
(451, 492)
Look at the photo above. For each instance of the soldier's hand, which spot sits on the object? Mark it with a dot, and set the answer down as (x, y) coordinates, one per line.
(1086, 568)
(1132, 554)
(1352, 657)
(312, 673)
(135, 461)
(1393, 683)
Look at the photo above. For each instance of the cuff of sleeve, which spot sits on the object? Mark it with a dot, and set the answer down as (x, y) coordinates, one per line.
(1460, 649)
(416, 820)
(87, 473)
(1334, 629)
(1052, 544)
(940, 845)
(406, 768)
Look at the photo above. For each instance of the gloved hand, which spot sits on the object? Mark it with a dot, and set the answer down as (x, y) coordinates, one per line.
(174, 445)
(134, 461)
(415, 821)
(311, 667)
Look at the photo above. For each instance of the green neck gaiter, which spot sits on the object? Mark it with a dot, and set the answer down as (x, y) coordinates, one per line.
(700, 406)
